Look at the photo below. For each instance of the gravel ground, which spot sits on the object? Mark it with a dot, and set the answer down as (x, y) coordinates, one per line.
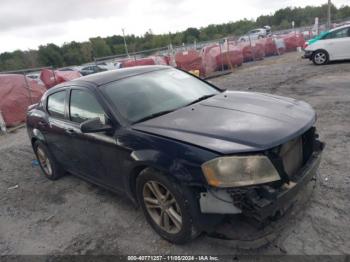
(70, 216)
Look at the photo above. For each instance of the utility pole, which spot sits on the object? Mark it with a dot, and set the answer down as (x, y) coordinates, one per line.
(329, 15)
(126, 47)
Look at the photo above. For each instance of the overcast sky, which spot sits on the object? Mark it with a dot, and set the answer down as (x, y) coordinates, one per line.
(26, 24)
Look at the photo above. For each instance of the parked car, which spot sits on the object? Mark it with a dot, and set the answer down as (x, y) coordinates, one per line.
(117, 65)
(36, 77)
(91, 69)
(329, 46)
(107, 65)
(75, 68)
(183, 150)
(256, 34)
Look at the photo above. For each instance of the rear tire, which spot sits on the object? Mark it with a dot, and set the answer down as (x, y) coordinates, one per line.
(172, 222)
(49, 166)
(320, 57)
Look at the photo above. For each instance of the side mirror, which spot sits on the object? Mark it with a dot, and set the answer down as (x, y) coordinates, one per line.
(94, 126)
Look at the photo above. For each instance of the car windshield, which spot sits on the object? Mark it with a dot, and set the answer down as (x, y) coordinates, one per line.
(159, 92)
(322, 34)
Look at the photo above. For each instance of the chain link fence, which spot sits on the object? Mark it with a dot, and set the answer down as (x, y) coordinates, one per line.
(307, 31)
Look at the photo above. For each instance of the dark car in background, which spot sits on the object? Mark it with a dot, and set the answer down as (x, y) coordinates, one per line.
(91, 69)
(183, 150)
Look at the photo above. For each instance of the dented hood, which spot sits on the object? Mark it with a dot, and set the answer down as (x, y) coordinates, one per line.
(233, 122)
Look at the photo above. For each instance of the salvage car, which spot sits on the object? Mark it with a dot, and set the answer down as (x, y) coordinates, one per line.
(329, 46)
(185, 151)
(256, 34)
(91, 69)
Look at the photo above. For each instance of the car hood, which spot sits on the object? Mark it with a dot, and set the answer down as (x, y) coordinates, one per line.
(233, 122)
(317, 38)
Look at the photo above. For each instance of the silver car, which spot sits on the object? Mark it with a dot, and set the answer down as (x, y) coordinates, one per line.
(256, 34)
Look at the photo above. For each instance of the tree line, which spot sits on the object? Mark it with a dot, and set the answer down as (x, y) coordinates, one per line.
(75, 53)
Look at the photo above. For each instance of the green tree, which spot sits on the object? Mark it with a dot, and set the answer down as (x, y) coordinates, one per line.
(343, 12)
(50, 55)
(190, 34)
(100, 47)
(86, 51)
(285, 24)
(72, 53)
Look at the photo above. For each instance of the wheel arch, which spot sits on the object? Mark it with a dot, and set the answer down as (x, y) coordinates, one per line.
(320, 49)
(135, 172)
(37, 136)
(323, 51)
(139, 168)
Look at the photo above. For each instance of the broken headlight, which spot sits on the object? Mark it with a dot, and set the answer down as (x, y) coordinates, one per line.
(236, 171)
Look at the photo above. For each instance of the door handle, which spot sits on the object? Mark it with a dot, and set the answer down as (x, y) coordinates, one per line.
(70, 131)
(43, 124)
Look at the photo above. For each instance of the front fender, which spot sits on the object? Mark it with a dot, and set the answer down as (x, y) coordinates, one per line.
(180, 161)
(143, 159)
(174, 167)
(38, 135)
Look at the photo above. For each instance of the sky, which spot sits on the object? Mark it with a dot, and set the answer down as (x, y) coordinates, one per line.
(26, 24)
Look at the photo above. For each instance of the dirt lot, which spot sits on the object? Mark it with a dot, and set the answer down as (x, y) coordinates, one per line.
(73, 217)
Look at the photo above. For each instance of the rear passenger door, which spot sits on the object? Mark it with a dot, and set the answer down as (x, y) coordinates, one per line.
(53, 128)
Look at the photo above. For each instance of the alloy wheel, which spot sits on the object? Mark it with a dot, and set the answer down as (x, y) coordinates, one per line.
(44, 161)
(162, 206)
(320, 58)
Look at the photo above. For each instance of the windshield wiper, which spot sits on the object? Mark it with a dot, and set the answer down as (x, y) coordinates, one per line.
(154, 115)
(172, 110)
(200, 99)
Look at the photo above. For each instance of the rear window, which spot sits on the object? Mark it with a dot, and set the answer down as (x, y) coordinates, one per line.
(55, 104)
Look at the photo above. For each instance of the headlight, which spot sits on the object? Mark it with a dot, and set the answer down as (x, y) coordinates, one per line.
(238, 171)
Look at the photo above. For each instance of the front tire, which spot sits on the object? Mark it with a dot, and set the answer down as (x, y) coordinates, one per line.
(320, 57)
(49, 167)
(165, 206)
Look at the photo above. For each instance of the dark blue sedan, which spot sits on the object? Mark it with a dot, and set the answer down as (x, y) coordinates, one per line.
(183, 150)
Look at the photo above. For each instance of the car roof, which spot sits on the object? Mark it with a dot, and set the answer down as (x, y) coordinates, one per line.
(105, 77)
(339, 27)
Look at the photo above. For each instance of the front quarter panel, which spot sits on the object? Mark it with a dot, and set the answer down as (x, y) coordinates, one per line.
(326, 45)
(174, 158)
(315, 46)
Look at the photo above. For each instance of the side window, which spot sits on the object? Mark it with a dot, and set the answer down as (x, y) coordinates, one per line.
(84, 106)
(341, 33)
(338, 34)
(55, 104)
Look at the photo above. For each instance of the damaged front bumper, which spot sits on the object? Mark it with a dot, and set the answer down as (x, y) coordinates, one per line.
(308, 54)
(265, 201)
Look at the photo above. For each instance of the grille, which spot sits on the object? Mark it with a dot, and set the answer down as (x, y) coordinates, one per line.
(291, 154)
